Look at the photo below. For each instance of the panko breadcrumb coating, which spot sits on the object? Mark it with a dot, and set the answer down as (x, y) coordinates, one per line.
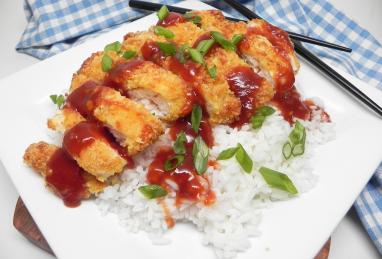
(37, 156)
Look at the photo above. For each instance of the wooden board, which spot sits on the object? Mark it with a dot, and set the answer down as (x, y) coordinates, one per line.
(24, 223)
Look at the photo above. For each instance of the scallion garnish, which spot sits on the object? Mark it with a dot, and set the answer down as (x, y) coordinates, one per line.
(196, 56)
(278, 180)
(227, 153)
(257, 121)
(159, 30)
(196, 117)
(173, 162)
(162, 13)
(178, 146)
(243, 159)
(212, 71)
(287, 150)
(265, 110)
(115, 46)
(168, 49)
(200, 154)
(204, 46)
(107, 63)
(196, 19)
(129, 54)
(295, 146)
(58, 100)
(226, 44)
(260, 116)
(152, 191)
(237, 38)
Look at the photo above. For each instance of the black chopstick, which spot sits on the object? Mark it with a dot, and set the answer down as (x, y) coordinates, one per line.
(154, 7)
(314, 60)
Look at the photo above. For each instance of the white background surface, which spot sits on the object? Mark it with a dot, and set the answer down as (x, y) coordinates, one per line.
(349, 240)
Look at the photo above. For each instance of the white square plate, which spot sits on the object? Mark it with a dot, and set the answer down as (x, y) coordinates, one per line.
(292, 229)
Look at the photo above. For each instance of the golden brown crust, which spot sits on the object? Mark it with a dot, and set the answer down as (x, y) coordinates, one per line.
(64, 119)
(134, 126)
(37, 156)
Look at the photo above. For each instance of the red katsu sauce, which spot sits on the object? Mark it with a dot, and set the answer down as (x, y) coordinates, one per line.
(244, 83)
(84, 98)
(65, 178)
(118, 75)
(151, 52)
(184, 124)
(85, 133)
(291, 105)
(172, 19)
(188, 70)
(189, 185)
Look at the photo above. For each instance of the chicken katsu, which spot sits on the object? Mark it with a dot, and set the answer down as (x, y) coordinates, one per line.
(185, 75)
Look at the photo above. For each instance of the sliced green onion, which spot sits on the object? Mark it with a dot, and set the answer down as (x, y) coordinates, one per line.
(278, 180)
(168, 49)
(287, 150)
(196, 56)
(226, 44)
(237, 38)
(227, 154)
(58, 100)
(297, 134)
(298, 149)
(257, 121)
(129, 54)
(196, 117)
(243, 159)
(162, 13)
(152, 191)
(204, 46)
(107, 62)
(180, 56)
(265, 110)
(196, 19)
(178, 146)
(212, 71)
(200, 154)
(159, 30)
(115, 46)
(173, 162)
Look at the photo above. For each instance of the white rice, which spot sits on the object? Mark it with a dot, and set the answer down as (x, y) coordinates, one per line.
(234, 218)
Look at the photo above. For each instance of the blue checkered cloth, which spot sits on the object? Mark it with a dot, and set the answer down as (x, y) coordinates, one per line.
(54, 26)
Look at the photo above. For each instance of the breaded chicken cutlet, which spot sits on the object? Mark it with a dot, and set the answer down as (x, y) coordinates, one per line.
(122, 97)
(273, 55)
(139, 80)
(38, 156)
(114, 111)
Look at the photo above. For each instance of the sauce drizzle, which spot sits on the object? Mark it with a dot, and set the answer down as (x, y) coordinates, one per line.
(172, 19)
(65, 178)
(244, 83)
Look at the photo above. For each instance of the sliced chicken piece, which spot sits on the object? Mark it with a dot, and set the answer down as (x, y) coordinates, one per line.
(279, 39)
(220, 102)
(132, 125)
(38, 156)
(252, 90)
(91, 69)
(145, 80)
(94, 149)
(272, 55)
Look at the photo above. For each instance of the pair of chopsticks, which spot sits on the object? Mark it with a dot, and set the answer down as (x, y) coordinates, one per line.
(299, 48)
